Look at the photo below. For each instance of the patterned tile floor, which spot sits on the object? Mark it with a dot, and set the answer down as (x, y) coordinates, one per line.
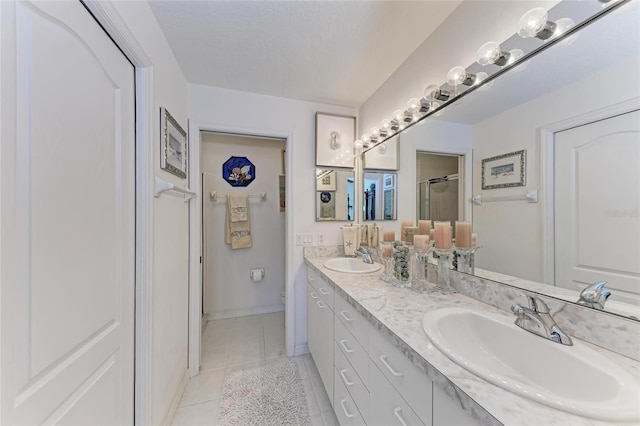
(239, 343)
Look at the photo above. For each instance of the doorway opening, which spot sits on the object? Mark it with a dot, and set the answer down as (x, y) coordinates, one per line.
(245, 279)
(440, 191)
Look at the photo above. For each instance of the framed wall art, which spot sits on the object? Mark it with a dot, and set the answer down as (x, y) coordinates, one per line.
(504, 171)
(334, 140)
(173, 145)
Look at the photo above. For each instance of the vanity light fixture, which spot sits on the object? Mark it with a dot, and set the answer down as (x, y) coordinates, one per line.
(491, 53)
(458, 75)
(385, 126)
(413, 105)
(535, 23)
(408, 116)
(358, 144)
(433, 92)
(375, 132)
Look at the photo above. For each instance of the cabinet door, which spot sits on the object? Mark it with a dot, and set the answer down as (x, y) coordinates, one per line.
(312, 320)
(324, 362)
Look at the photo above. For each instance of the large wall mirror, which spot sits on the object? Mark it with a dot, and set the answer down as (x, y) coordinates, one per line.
(335, 192)
(574, 108)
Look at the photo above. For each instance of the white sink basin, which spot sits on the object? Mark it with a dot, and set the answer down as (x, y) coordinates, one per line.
(351, 265)
(575, 379)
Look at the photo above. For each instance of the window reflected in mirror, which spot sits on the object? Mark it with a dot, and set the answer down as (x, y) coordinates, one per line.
(335, 192)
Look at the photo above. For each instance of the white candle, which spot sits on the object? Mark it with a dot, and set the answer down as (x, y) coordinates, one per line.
(421, 242)
(463, 234)
(389, 236)
(424, 226)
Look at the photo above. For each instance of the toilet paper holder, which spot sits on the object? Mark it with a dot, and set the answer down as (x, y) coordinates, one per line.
(256, 274)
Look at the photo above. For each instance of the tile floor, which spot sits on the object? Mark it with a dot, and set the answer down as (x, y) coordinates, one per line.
(238, 343)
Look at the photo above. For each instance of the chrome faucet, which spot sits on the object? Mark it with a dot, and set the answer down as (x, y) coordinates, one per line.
(366, 257)
(537, 320)
(594, 296)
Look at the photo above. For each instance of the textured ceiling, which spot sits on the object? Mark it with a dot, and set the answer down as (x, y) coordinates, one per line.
(337, 52)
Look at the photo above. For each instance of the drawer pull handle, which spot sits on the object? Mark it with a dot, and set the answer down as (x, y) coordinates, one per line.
(344, 377)
(383, 358)
(346, 349)
(311, 278)
(321, 305)
(315, 296)
(323, 291)
(346, 412)
(345, 316)
(398, 416)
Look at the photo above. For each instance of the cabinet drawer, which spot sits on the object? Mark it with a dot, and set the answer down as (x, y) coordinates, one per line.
(351, 380)
(352, 351)
(388, 408)
(411, 382)
(344, 406)
(353, 320)
(322, 287)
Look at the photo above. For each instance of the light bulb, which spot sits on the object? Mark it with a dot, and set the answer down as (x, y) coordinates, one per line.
(535, 23)
(398, 115)
(382, 148)
(514, 55)
(413, 105)
(430, 90)
(456, 76)
(563, 25)
(358, 144)
(491, 53)
(385, 125)
(365, 139)
(375, 132)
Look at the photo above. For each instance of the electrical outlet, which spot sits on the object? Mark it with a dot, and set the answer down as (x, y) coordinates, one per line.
(304, 239)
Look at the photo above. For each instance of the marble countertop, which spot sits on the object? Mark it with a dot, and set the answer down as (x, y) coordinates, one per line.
(397, 314)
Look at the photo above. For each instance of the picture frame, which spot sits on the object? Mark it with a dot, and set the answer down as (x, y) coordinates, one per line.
(389, 181)
(173, 145)
(504, 171)
(325, 180)
(335, 134)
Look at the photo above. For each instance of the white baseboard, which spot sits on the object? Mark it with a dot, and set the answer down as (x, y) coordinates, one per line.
(301, 350)
(176, 399)
(234, 313)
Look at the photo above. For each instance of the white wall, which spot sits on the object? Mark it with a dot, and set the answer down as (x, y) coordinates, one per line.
(229, 289)
(504, 226)
(170, 218)
(215, 109)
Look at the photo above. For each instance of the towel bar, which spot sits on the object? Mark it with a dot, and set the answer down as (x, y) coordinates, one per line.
(164, 186)
(262, 196)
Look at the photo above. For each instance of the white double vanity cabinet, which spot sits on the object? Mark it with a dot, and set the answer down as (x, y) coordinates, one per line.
(368, 380)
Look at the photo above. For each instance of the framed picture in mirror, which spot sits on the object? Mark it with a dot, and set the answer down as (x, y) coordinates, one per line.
(334, 140)
(504, 171)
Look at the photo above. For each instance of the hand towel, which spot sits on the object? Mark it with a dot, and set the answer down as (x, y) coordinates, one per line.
(239, 207)
(377, 236)
(238, 233)
(349, 236)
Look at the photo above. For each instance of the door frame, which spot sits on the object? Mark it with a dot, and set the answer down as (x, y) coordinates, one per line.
(195, 237)
(546, 146)
(114, 25)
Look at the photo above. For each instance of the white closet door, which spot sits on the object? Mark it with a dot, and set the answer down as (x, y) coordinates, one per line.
(597, 200)
(67, 219)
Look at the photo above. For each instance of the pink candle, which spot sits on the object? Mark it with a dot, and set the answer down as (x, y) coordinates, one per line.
(463, 234)
(387, 250)
(403, 226)
(474, 240)
(421, 242)
(424, 226)
(443, 235)
(389, 236)
(432, 234)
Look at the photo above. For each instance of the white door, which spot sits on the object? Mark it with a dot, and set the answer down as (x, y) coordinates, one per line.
(597, 205)
(67, 219)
